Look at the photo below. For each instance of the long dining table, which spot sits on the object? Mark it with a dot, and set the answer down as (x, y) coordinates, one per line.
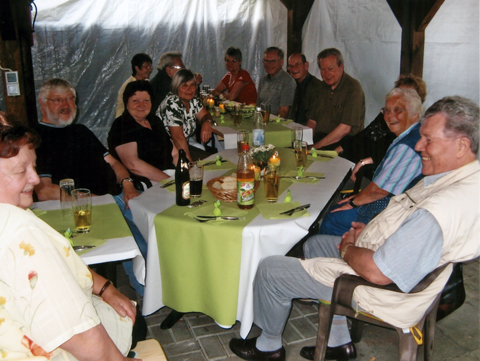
(210, 267)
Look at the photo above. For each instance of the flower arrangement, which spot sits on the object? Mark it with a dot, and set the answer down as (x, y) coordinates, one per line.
(261, 155)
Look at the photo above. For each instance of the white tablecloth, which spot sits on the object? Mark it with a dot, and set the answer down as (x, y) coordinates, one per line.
(115, 249)
(261, 238)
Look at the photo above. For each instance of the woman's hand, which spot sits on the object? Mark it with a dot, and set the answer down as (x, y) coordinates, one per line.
(355, 170)
(120, 303)
(346, 206)
(129, 192)
(206, 132)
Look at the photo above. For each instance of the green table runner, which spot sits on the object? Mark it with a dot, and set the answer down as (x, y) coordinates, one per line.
(200, 262)
(107, 222)
(275, 133)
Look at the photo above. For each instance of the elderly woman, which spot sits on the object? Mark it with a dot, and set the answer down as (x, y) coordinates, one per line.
(52, 304)
(139, 138)
(182, 112)
(237, 83)
(400, 169)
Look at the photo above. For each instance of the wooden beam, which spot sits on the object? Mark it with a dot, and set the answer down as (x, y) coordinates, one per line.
(15, 54)
(413, 16)
(297, 14)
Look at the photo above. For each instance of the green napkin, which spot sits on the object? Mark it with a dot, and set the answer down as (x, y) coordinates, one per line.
(227, 210)
(293, 173)
(273, 210)
(171, 187)
(225, 165)
(320, 153)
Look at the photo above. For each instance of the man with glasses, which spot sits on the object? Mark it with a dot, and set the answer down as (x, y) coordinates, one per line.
(141, 70)
(72, 151)
(277, 88)
(306, 82)
(336, 109)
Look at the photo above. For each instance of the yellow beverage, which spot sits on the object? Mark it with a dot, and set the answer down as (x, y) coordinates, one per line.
(300, 157)
(266, 116)
(237, 118)
(272, 181)
(83, 221)
(246, 188)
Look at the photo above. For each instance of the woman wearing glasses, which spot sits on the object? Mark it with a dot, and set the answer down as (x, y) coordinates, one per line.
(236, 84)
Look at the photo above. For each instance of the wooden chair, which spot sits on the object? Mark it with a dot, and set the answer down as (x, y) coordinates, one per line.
(341, 304)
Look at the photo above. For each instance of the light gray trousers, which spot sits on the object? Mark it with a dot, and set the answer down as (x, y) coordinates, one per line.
(280, 279)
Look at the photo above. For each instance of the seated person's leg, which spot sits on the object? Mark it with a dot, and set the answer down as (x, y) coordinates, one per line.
(322, 246)
(336, 224)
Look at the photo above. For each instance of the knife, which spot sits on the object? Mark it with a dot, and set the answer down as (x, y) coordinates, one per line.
(81, 248)
(227, 218)
(296, 209)
(168, 184)
(213, 162)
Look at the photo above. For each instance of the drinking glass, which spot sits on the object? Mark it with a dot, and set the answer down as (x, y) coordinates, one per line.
(301, 150)
(242, 138)
(196, 180)
(297, 134)
(272, 182)
(266, 107)
(66, 199)
(237, 116)
(82, 209)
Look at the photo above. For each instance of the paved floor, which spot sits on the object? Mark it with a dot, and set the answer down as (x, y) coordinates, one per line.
(197, 338)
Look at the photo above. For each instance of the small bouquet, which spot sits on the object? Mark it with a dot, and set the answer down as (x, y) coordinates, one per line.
(261, 155)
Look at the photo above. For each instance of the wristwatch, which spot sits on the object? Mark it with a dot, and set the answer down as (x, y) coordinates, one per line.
(361, 161)
(125, 179)
(351, 202)
(344, 250)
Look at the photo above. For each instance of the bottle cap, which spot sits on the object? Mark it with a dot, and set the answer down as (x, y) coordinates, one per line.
(259, 109)
(245, 147)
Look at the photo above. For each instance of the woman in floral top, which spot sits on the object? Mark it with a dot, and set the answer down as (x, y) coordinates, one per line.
(181, 112)
(48, 304)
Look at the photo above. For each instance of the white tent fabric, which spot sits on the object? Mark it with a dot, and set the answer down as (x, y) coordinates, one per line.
(90, 43)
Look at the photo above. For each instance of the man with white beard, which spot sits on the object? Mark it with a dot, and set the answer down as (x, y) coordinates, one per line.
(72, 151)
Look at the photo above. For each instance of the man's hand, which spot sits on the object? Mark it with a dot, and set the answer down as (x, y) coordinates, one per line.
(355, 170)
(120, 303)
(345, 207)
(129, 192)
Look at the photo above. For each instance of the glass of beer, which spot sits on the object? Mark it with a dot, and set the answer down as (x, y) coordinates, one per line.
(66, 198)
(237, 116)
(82, 209)
(266, 107)
(272, 182)
(297, 134)
(301, 150)
(196, 180)
(242, 138)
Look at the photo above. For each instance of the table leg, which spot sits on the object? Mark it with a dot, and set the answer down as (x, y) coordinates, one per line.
(172, 318)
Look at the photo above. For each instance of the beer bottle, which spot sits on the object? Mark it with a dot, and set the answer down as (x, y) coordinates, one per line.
(245, 180)
(258, 132)
(182, 180)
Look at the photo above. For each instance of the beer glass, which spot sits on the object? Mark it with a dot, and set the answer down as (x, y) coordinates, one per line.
(297, 134)
(196, 180)
(271, 179)
(237, 116)
(82, 209)
(66, 199)
(301, 150)
(242, 138)
(266, 107)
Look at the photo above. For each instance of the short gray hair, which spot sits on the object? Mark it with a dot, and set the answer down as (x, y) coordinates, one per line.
(462, 117)
(412, 99)
(331, 51)
(279, 51)
(180, 77)
(55, 83)
(167, 59)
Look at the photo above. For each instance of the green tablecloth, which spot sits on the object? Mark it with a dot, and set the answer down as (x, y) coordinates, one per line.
(200, 262)
(275, 133)
(107, 223)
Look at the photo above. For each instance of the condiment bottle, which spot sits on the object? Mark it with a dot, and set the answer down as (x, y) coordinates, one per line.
(258, 132)
(182, 180)
(245, 180)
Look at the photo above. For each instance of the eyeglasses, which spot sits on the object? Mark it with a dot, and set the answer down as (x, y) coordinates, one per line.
(266, 61)
(59, 101)
(231, 61)
(396, 111)
(150, 67)
(296, 65)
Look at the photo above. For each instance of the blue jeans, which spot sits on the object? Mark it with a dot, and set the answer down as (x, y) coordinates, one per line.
(336, 224)
(141, 243)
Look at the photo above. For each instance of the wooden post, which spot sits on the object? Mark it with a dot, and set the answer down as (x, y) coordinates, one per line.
(15, 54)
(413, 16)
(297, 14)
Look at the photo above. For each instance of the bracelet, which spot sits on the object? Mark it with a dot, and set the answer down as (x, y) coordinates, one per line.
(361, 161)
(342, 253)
(105, 286)
(351, 202)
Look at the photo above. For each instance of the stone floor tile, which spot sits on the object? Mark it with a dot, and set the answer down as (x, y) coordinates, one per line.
(208, 330)
(212, 347)
(306, 308)
(181, 348)
(290, 334)
(225, 340)
(304, 327)
(165, 337)
(194, 356)
(181, 332)
(200, 320)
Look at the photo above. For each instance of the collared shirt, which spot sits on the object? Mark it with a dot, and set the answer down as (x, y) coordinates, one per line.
(297, 112)
(277, 91)
(345, 104)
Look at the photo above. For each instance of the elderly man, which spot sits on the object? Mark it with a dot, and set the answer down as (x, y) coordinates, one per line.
(400, 168)
(298, 69)
(141, 70)
(434, 223)
(335, 108)
(277, 88)
(73, 151)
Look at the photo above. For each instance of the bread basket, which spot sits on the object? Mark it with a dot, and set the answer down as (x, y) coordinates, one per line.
(226, 195)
